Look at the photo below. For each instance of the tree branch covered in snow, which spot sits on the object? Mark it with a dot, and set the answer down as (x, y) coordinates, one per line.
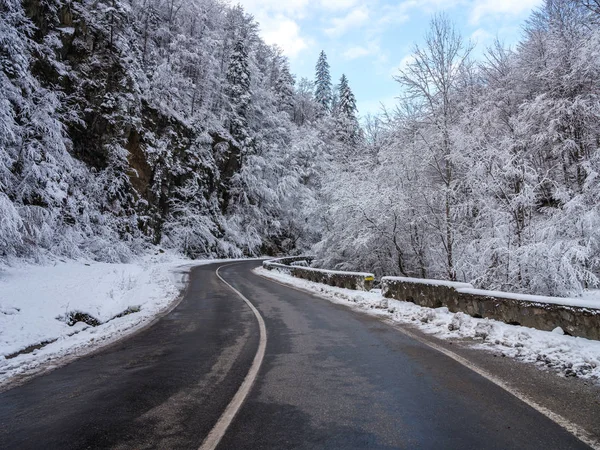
(485, 172)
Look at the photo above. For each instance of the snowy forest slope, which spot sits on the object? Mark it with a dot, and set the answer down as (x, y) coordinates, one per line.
(124, 123)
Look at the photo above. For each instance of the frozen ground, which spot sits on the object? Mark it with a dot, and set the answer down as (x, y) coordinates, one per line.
(37, 301)
(569, 356)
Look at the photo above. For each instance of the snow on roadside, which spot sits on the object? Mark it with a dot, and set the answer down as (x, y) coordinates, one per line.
(35, 301)
(568, 355)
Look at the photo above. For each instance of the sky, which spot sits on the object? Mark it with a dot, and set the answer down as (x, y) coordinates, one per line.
(368, 40)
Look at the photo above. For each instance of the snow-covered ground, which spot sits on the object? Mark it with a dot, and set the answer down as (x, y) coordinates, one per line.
(36, 301)
(568, 355)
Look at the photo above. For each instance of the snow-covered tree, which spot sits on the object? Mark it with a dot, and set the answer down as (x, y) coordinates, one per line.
(129, 123)
(323, 93)
(284, 87)
(348, 130)
(347, 101)
(238, 93)
(431, 80)
(485, 173)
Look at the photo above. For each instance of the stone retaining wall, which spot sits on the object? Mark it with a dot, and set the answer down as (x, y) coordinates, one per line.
(510, 308)
(350, 280)
(286, 263)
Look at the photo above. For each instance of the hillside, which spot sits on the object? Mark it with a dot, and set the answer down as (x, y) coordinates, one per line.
(128, 123)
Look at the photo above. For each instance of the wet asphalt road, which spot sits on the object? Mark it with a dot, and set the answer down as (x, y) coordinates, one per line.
(331, 378)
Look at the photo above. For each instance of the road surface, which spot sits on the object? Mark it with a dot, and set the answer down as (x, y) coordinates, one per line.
(331, 378)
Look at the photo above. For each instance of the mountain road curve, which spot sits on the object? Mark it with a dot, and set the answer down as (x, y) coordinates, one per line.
(330, 378)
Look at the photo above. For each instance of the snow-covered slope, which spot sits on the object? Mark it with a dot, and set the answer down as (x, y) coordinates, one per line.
(36, 301)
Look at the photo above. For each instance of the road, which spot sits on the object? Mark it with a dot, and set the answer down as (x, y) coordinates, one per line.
(331, 378)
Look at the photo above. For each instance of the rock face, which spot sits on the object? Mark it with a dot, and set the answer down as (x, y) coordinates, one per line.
(574, 320)
(358, 281)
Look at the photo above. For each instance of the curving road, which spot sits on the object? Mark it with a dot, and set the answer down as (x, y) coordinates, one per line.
(331, 378)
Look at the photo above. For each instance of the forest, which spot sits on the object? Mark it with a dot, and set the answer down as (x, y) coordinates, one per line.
(131, 124)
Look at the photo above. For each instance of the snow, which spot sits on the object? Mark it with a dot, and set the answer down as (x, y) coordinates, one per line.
(35, 299)
(336, 272)
(275, 264)
(452, 284)
(590, 302)
(567, 355)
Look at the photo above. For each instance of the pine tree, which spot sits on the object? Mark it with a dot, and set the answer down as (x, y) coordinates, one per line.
(238, 91)
(347, 101)
(323, 94)
(348, 129)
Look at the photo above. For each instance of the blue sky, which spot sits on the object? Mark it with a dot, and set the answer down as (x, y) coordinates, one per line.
(368, 40)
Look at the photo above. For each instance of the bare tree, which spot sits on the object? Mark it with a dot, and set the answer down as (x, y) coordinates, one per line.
(430, 81)
(592, 5)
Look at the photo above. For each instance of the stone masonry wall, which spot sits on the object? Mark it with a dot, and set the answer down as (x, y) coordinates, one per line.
(461, 297)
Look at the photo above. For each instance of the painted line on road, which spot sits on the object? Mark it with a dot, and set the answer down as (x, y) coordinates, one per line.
(572, 428)
(218, 431)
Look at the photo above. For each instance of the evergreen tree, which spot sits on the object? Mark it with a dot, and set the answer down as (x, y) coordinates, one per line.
(323, 94)
(347, 101)
(348, 130)
(238, 92)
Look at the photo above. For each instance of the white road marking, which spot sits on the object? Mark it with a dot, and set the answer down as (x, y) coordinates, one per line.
(218, 431)
(572, 428)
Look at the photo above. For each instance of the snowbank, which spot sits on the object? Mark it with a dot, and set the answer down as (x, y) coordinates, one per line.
(38, 302)
(568, 355)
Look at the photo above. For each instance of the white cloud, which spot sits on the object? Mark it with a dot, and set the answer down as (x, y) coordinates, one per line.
(484, 8)
(356, 52)
(480, 36)
(354, 19)
(360, 51)
(285, 33)
(279, 22)
(396, 13)
(402, 65)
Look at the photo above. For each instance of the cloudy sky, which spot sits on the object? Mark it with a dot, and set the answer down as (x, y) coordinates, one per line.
(369, 39)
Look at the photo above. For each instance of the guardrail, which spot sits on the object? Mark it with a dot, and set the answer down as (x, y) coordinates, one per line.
(360, 281)
(576, 317)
